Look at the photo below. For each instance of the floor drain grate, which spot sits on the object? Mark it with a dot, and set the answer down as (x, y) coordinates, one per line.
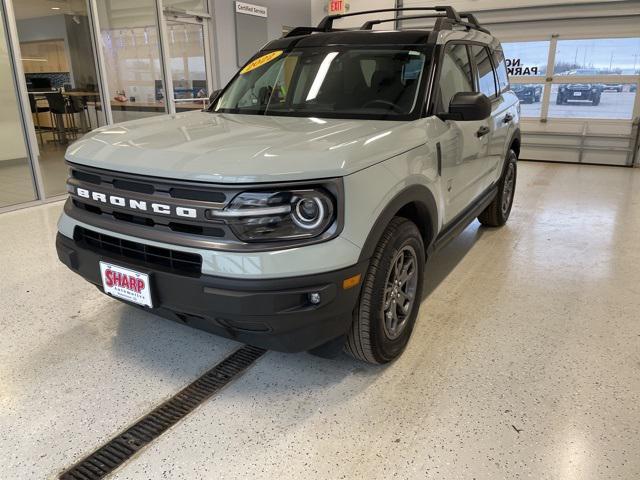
(118, 450)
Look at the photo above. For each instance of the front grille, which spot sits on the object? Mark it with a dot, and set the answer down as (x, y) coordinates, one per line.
(150, 186)
(207, 231)
(164, 258)
(147, 192)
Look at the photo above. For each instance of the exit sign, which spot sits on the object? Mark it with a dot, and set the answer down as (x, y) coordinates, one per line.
(337, 6)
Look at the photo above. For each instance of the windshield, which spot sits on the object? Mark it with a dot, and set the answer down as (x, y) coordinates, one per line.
(377, 83)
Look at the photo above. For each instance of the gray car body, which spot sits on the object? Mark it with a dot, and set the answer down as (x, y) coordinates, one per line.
(384, 165)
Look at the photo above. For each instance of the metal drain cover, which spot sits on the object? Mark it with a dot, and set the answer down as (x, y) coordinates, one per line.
(123, 446)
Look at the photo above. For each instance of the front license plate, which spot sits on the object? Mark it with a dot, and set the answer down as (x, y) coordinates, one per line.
(126, 284)
(577, 94)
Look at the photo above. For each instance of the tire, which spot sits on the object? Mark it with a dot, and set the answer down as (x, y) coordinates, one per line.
(559, 100)
(595, 102)
(497, 212)
(372, 337)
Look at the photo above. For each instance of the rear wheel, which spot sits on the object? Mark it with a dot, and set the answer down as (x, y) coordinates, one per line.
(596, 101)
(391, 293)
(497, 212)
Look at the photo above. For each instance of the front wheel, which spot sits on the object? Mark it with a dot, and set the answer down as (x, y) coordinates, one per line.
(391, 293)
(497, 212)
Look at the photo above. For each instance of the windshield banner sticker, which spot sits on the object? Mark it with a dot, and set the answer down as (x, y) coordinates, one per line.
(258, 62)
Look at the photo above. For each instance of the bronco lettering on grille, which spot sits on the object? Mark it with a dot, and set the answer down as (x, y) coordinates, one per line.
(133, 204)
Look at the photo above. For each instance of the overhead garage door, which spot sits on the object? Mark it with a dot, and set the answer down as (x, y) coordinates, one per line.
(578, 97)
(576, 68)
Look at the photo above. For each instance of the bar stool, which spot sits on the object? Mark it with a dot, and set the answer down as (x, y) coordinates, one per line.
(35, 109)
(58, 110)
(79, 105)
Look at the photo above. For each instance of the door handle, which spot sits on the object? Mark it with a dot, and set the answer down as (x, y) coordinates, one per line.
(482, 131)
(507, 118)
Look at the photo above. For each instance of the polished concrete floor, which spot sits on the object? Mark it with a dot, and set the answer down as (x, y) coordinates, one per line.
(525, 361)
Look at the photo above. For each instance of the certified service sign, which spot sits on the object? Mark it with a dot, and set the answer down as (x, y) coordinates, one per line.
(250, 9)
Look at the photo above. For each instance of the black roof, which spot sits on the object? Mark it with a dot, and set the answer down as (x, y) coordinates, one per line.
(352, 37)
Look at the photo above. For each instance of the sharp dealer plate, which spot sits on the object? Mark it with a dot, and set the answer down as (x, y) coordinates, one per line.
(126, 284)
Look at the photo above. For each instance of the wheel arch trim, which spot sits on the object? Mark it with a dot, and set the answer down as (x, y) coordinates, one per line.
(420, 198)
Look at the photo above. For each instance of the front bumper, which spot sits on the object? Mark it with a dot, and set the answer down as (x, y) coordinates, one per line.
(272, 313)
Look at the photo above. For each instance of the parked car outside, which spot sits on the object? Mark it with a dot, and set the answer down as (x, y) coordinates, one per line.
(579, 92)
(528, 93)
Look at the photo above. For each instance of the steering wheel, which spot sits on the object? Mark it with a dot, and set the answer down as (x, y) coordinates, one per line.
(394, 107)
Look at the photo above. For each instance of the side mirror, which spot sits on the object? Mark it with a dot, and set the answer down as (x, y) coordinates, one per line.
(214, 96)
(468, 106)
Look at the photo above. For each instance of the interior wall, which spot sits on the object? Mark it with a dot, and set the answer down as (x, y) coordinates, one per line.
(80, 50)
(280, 13)
(537, 19)
(42, 28)
(485, 5)
(319, 10)
(75, 35)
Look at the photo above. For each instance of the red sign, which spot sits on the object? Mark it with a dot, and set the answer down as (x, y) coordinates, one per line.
(336, 6)
(129, 282)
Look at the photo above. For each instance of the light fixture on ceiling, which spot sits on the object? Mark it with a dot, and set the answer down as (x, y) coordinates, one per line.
(55, 8)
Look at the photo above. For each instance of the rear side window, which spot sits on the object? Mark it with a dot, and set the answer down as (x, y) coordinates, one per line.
(455, 75)
(501, 70)
(486, 79)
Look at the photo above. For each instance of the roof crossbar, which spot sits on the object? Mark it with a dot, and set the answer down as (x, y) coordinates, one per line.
(369, 25)
(326, 24)
(472, 23)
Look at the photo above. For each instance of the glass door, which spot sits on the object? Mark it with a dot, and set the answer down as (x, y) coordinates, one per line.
(131, 53)
(186, 44)
(58, 61)
(16, 178)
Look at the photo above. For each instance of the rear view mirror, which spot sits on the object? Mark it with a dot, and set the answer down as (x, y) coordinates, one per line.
(468, 106)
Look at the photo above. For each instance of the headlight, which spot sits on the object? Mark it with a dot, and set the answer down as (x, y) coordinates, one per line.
(259, 216)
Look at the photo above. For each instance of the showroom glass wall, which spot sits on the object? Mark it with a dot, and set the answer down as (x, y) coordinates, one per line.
(578, 97)
(17, 183)
(138, 58)
(599, 73)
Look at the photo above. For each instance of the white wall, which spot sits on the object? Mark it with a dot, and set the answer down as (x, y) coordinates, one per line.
(484, 5)
(281, 12)
(517, 19)
(319, 10)
(538, 19)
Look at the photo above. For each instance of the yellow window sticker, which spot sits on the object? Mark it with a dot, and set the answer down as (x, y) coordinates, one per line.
(258, 62)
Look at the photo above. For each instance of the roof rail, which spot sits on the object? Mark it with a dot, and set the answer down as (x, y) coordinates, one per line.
(369, 25)
(326, 24)
(472, 23)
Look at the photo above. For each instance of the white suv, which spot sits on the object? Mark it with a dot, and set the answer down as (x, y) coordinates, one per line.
(297, 212)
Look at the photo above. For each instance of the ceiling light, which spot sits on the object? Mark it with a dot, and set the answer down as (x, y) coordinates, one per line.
(55, 8)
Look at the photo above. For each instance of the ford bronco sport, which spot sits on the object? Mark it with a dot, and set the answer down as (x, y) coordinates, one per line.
(297, 212)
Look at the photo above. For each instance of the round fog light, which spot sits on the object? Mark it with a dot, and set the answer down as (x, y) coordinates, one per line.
(314, 298)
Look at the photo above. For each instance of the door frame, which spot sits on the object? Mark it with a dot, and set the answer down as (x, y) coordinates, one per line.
(166, 15)
(22, 98)
(162, 15)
